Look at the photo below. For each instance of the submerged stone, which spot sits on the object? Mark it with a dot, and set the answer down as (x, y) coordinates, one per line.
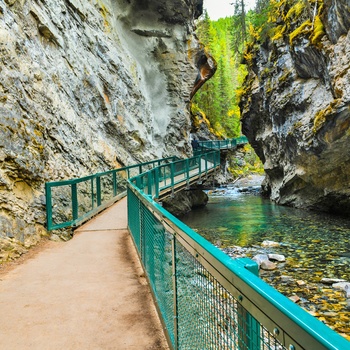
(270, 244)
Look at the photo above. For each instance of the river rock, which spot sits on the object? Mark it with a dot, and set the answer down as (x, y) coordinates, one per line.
(259, 258)
(332, 280)
(286, 279)
(268, 265)
(270, 244)
(277, 257)
(345, 286)
(294, 298)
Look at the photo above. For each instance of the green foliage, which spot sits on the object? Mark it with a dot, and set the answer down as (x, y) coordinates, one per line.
(250, 164)
(218, 97)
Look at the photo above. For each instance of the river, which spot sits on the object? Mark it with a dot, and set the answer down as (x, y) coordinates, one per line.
(316, 246)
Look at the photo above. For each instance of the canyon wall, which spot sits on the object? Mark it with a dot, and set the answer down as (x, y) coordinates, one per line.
(296, 105)
(87, 86)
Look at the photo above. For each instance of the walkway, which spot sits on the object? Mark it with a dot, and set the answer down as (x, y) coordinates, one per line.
(88, 293)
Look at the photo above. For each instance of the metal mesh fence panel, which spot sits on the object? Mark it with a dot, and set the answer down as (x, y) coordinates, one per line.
(209, 317)
(134, 218)
(157, 258)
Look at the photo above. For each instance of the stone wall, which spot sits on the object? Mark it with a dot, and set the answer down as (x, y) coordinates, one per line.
(87, 86)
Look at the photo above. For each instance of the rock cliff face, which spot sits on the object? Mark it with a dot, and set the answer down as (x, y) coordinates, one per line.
(87, 86)
(296, 108)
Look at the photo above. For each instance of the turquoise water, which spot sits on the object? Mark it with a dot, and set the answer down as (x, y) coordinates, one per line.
(247, 220)
(316, 246)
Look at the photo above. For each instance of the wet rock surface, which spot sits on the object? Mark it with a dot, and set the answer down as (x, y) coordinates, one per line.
(328, 299)
(184, 201)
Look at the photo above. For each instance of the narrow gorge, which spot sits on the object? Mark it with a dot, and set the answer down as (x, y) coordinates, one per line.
(88, 86)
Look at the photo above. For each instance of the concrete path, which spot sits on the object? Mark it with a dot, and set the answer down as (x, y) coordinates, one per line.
(88, 293)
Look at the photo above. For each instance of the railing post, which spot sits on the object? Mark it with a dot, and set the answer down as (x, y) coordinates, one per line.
(92, 193)
(139, 184)
(172, 174)
(249, 327)
(156, 182)
(188, 171)
(48, 206)
(150, 182)
(114, 183)
(173, 256)
(74, 194)
(98, 190)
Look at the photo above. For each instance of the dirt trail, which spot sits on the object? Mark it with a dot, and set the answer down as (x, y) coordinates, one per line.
(87, 293)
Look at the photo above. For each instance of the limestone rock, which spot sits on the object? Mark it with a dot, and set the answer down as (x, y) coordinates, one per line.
(296, 112)
(89, 86)
(184, 201)
(332, 280)
(343, 286)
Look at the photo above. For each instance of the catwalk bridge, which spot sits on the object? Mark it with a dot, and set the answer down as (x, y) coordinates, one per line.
(204, 298)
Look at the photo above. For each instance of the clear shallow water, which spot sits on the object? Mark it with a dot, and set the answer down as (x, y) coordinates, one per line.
(316, 246)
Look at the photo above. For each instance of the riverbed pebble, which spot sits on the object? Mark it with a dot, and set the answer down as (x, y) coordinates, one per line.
(270, 244)
(294, 298)
(268, 265)
(345, 286)
(286, 279)
(277, 257)
(259, 258)
(331, 280)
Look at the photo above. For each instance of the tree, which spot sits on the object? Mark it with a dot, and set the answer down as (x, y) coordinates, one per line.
(240, 25)
(217, 98)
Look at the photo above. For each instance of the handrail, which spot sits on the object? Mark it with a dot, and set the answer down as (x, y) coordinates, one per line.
(81, 198)
(205, 299)
(223, 144)
(159, 180)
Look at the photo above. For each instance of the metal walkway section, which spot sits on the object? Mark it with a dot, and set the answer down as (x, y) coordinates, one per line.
(88, 293)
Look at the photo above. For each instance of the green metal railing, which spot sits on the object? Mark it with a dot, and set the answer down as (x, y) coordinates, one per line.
(170, 177)
(71, 202)
(207, 300)
(223, 144)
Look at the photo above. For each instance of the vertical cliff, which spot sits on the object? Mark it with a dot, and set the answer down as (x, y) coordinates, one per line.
(296, 106)
(87, 86)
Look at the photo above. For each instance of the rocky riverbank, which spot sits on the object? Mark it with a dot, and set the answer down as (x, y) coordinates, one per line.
(328, 299)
